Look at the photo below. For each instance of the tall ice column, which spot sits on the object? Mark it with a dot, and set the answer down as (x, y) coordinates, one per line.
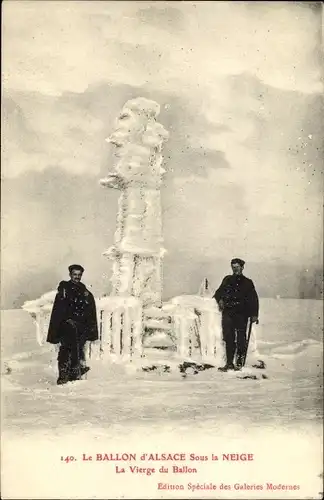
(137, 251)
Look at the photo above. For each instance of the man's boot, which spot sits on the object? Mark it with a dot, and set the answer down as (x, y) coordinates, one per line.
(75, 373)
(63, 379)
(63, 366)
(230, 350)
(226, 368)
(84, 369)
(63, 374)
(239, 363)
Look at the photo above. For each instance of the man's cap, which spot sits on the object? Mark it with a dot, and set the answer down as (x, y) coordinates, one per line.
(76, 267)
(238, 261)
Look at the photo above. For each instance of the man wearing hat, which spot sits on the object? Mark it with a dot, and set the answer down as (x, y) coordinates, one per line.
(73, 322)
(238, 300)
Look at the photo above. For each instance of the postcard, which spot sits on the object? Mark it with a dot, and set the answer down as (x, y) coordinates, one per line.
(161, 250)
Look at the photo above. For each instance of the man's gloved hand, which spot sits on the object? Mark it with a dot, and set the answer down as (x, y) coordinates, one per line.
(255, 319)
(221, 305)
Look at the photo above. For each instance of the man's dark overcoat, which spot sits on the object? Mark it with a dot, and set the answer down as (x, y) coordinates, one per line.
(73, 301)
(238, 295)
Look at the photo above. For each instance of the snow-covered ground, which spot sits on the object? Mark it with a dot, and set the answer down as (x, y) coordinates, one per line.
(118, 409)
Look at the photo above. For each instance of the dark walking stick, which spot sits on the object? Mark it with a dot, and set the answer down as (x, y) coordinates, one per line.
(247, 340)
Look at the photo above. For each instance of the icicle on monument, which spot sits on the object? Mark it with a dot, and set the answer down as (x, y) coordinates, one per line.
(133, 320)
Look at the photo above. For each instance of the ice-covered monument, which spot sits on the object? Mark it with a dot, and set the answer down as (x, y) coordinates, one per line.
(137, 172)
(134, 312)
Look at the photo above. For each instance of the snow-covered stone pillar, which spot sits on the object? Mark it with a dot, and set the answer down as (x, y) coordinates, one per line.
(137, 173)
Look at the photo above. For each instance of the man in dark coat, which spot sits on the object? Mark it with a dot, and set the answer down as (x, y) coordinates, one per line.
(238, 301)
(73, 322)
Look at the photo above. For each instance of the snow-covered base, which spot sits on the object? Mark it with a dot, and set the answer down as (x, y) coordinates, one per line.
(189, 322)
(199, 316)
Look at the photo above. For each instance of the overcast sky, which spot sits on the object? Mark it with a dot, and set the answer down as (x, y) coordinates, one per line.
(239, 84)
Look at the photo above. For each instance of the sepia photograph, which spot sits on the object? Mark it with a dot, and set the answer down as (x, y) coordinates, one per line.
(162, 250)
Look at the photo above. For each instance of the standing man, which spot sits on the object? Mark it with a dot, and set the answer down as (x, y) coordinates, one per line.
(73, 322)
(238, 301)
